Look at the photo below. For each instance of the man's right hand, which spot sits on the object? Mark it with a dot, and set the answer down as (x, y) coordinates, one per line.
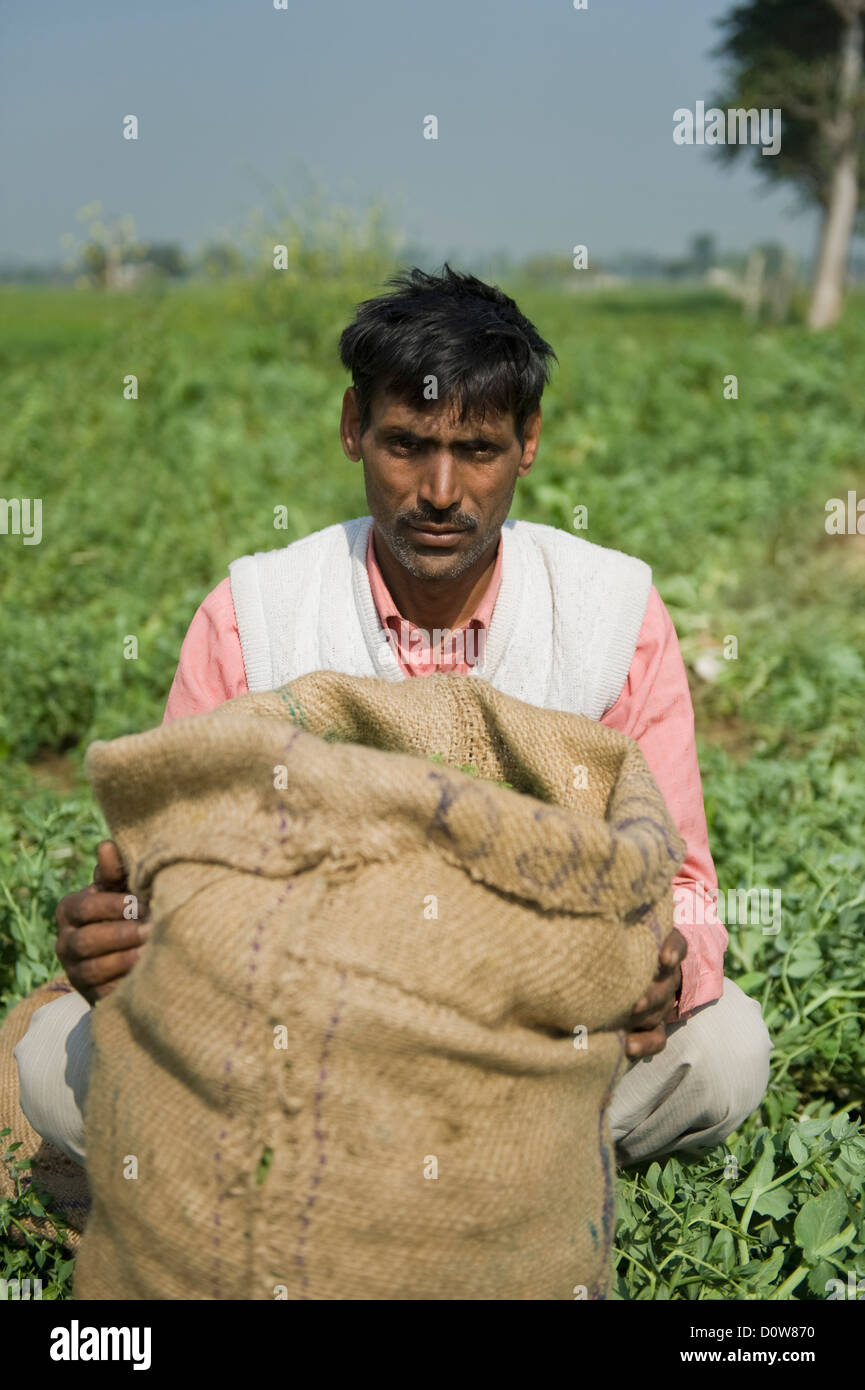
(96, 944)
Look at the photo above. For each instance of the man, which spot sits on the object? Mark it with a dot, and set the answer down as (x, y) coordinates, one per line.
(444, 413)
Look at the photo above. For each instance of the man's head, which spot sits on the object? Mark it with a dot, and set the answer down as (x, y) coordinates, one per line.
(444, 411)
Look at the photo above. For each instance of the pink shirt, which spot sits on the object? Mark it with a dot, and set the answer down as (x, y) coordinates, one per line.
(654, 707)
(418, 651)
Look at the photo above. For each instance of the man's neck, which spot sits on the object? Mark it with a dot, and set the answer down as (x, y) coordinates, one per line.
(444, 605)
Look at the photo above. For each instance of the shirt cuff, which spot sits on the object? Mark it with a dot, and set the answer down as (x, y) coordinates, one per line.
(703, 967)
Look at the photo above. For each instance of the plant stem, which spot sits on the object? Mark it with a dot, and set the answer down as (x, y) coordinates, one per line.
(790, 1284)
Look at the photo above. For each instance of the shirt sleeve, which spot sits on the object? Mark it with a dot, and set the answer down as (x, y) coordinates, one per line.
(654, 707)
(210, 670)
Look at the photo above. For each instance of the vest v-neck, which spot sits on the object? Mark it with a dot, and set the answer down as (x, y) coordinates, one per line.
(378, 644)
(562, 633)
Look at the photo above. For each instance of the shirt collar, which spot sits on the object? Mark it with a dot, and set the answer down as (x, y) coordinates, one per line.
(387, 609)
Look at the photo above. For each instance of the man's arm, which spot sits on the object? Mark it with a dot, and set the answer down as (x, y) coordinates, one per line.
(96, 945)
(210, 670)
(654, 707)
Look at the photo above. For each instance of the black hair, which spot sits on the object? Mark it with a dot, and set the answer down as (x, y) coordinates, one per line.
(484, 354)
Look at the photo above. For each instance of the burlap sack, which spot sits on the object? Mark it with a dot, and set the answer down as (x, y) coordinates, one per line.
(350, 1062)
(51, 1170)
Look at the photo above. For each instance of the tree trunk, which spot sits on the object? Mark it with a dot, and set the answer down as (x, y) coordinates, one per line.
(838, 218)
(840, 210)
(752, 297)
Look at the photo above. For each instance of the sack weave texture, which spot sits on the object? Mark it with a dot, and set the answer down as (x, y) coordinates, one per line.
(369, 1049)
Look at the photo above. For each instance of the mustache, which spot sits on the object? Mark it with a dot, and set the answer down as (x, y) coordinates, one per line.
(453, 523)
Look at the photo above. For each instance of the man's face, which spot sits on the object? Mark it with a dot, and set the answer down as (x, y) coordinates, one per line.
(424, 468)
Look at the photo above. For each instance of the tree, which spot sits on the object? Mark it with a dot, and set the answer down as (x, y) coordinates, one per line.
(167, 257)
(110, 246)
(220, 258)
(806, 58)
(703, 252)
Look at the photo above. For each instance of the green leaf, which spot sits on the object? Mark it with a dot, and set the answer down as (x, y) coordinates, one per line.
(819, 1223)
(263, 1164)
(775, 1203)
(769, 1234)
(751, 981)
(768, 1271)
(805, 959)
(843, 1127)
(813, 1126)
(724, 1204)
(819, 1276)
(668, 1183)
(722, 1251)
(760, 1175)
(797, 1146)
(853, 1152)
(653, 1173)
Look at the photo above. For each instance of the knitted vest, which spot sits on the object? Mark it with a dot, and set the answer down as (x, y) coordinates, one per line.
(562, 634)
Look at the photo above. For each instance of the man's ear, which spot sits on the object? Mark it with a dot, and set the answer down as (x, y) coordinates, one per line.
(531, 442)
(349, 426)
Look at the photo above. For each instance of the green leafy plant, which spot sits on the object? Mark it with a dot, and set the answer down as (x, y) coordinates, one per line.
(24, 1255)
(469, 768)
(242, 385)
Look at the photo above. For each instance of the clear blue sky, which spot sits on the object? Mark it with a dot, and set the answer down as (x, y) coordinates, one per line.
(555, 125)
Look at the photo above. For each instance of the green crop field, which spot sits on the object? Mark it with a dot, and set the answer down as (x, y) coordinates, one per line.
(146, 501)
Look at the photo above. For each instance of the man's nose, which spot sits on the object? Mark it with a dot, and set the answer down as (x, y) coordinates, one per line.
(440, 487)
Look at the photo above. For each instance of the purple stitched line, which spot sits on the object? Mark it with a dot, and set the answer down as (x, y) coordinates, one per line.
(320, 1137)
(226, 1083)
(252, 967)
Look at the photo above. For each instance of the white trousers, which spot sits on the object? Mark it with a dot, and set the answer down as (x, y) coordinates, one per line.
(711, 1075)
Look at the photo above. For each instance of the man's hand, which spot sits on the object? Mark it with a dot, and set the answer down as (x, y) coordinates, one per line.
(647, 1030)
(96, 944)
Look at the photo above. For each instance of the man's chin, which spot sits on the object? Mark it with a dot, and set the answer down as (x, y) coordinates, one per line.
(439, 565)
(434, 561)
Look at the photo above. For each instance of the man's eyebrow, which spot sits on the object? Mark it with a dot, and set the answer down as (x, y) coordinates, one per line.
(404, 432)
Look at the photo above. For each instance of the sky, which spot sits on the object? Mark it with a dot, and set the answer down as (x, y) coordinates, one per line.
(555, 125)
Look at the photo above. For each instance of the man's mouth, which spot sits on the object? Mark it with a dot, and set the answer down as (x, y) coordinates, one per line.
(440, 535)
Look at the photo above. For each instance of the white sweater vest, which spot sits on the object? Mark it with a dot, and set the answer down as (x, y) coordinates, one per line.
(562, 634)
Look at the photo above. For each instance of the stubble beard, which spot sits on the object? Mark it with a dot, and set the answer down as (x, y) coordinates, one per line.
(418, 566)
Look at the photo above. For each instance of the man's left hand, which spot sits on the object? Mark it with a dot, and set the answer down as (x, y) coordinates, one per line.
(647, 1026)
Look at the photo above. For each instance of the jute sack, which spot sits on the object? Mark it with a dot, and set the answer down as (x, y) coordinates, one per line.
(63, 1181)
(369, 1049)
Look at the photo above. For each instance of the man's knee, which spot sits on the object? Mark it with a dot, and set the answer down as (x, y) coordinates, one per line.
(730, 1061)
(711, 1075)
(53, 1060)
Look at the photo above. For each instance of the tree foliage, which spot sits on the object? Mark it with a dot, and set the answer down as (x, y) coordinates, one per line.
(787, 54)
